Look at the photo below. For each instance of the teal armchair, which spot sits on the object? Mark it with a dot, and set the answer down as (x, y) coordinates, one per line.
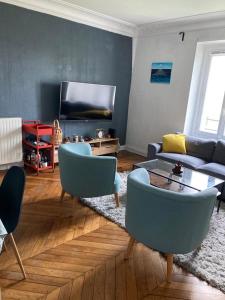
(166, 221)
(84, 175)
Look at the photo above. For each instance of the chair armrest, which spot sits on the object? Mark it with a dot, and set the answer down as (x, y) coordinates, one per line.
(153, 149)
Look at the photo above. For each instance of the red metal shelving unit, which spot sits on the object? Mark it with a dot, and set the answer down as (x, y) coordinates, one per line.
(38, 131)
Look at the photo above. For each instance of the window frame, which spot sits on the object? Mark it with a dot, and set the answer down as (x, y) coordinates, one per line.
(194, 113)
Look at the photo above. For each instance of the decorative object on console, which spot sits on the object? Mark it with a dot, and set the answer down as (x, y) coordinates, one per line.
(112, 132)
(58, 134)
(100, 133)
(74, 139)
(66, 140)
(38, 153)
(88, 138)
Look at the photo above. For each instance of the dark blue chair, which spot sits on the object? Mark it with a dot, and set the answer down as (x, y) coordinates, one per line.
(11, 197)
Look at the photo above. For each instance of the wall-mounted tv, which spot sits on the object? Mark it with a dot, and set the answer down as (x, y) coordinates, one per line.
(86, 101)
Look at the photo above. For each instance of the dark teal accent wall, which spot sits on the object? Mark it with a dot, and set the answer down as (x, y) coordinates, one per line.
(38, 51)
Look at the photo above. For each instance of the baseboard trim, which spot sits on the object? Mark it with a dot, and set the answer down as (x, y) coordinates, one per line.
(122, 147)
(7, 166)
(135, 150)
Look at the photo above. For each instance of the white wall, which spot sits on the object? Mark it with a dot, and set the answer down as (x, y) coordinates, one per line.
(157, 109)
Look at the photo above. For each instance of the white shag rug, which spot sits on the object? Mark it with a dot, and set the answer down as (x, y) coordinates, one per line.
(208, 263)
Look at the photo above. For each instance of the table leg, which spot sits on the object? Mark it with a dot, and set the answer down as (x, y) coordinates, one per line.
(220, 198)
(169, 179)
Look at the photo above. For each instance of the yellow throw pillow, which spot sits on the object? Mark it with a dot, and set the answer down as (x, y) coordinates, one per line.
(174, 143)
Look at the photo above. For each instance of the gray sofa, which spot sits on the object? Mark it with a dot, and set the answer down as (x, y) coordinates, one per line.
(207, 156)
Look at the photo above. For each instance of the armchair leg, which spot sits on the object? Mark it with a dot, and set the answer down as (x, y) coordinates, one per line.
(17, 255)
(219, 203)
(62, 195)
(117, 199)
(130, 247)
(169, 267)
(199, 247)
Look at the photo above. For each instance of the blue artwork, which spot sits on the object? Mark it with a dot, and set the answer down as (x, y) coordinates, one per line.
(161, 72)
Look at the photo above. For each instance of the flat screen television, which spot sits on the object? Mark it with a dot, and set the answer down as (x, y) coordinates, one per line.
(86, 101)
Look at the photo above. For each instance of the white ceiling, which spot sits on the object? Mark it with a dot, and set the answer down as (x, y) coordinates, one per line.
(147, 11)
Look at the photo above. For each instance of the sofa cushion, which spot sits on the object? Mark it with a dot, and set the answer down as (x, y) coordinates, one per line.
(219, 154)
(187, 160)
(214, 169)
(174, 143)
(200, 148)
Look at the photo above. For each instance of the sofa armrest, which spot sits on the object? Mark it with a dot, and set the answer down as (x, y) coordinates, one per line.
(153, 149)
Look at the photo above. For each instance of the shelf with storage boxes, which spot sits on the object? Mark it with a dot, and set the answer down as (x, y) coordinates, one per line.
(38, 148)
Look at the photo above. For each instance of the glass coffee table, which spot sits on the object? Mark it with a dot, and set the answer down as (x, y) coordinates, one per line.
(192, 180)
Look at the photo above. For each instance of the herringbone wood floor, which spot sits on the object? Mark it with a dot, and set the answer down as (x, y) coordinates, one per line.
(70, 252)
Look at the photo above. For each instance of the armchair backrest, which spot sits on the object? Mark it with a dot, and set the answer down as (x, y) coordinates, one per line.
(167, 221)
(85, 175)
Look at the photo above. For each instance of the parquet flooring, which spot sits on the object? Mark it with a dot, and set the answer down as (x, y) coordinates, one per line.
(70, 252)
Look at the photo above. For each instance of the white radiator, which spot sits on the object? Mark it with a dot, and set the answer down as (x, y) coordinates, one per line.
(10, 141)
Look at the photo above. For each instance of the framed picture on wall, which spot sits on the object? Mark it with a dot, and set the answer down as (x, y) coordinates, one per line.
(161, 72)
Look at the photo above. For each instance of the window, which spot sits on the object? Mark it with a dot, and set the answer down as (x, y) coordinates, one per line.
(206, 110)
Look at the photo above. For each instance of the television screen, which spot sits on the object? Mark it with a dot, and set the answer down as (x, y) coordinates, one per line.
(85, 101)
